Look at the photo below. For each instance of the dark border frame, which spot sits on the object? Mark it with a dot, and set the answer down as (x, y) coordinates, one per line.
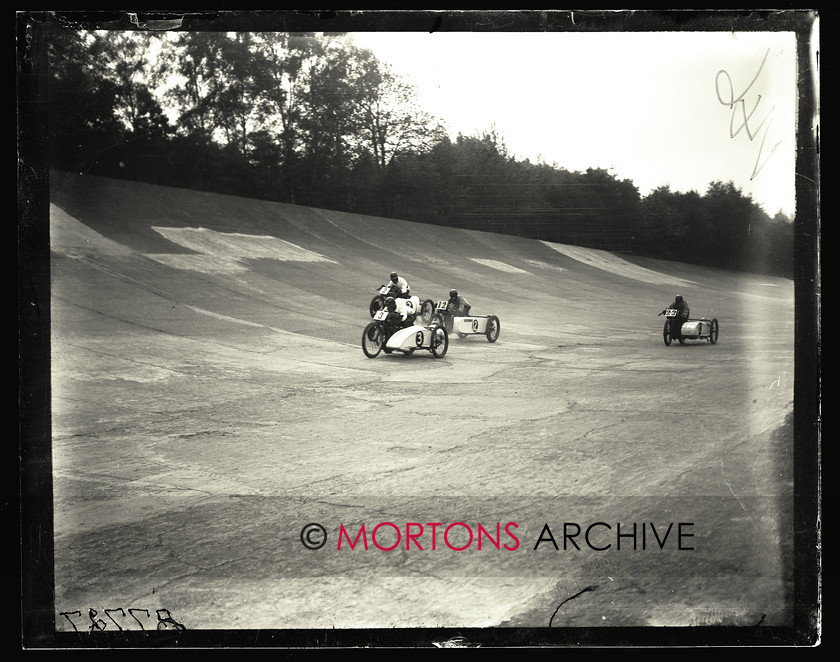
(34, 416)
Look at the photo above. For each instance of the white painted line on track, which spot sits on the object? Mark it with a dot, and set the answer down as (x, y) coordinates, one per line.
(501, 266)
(224, 252)
(610, 262)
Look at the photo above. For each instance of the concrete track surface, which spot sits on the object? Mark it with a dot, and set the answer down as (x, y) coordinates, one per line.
(210, 398)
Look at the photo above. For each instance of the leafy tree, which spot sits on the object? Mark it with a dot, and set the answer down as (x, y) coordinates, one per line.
(662, 230)
(216, 95)
(724, 239)
(309, 118)
(327, 121)
(123, 61)
(391, 121)
(83, 121)
(290, 63)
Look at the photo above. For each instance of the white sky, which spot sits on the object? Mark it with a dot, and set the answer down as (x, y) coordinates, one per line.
(644, 105)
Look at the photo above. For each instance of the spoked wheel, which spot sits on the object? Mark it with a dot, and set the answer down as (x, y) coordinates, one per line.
(666, 334)
(376, 304)
(713, 334)
(373, 339)
(440, 341)
(493, 328)
(427, 309)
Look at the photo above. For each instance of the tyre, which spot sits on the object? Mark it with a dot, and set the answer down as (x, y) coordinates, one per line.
(666, 334)
(461, 335)
(493, 328)
(440, 341)
(376, 304)
(373, 339)
(427, 309)
(713, 334)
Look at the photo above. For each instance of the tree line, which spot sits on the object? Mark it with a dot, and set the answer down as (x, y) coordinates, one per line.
(313, 119)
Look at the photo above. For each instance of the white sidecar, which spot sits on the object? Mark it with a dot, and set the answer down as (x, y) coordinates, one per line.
(691, 329)
(486, 325)
(379, 336)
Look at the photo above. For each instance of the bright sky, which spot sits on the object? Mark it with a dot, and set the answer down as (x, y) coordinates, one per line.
(651, 107)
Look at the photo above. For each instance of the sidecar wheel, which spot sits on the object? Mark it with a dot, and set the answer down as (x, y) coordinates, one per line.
(440, 341)
(713, 334)
(666, 334)
(373, 340)
(493, 328)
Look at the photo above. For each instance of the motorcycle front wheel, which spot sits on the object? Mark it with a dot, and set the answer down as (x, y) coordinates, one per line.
(666, 334)
(373, 339)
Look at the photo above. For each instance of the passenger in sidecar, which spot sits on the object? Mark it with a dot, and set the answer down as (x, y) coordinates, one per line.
(400, 313)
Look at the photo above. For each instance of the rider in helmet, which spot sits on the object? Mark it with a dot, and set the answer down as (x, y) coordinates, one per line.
(399, 286)
(458, 305)
(399, 315)
(681, 305)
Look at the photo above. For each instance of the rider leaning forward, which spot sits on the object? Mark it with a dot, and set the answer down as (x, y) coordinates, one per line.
(458, 305)
(399, 315)
(681, 306)
(399, 286)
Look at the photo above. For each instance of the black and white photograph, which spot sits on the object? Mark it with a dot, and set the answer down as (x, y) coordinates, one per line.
(419, 329)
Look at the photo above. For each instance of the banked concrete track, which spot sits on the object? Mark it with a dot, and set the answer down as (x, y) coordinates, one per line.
(210, 399)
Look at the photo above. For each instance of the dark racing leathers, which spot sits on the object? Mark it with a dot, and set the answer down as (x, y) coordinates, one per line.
(682, 316)
(459, 306)
(397, 321)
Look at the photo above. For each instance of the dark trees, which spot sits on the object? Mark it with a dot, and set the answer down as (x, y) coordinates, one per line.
(310, 118)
